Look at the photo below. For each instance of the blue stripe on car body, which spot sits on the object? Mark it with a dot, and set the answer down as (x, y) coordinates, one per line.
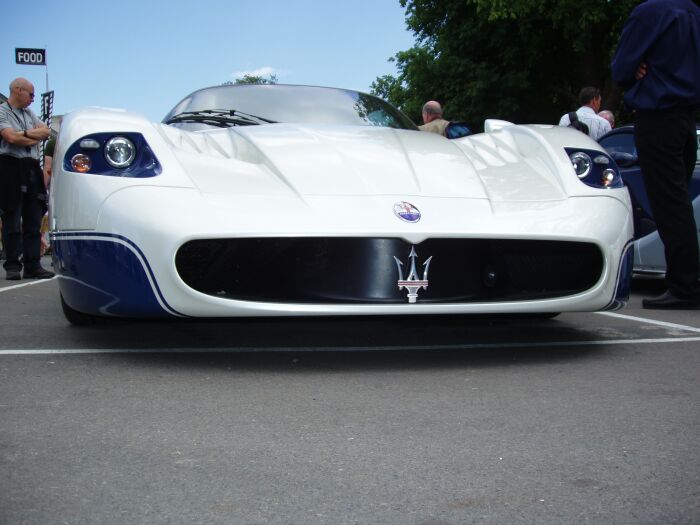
(623, 284)
(107, 274)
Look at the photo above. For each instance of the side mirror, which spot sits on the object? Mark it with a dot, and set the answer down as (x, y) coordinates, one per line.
(625, 160)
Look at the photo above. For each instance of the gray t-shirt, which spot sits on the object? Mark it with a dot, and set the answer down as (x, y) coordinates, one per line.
(17, 119)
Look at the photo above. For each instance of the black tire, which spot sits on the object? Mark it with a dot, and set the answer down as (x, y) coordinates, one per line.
(546, 315)
(530, 316)
(77, 318)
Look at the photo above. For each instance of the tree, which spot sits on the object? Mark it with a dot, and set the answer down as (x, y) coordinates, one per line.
(254, 79)
(520, 60)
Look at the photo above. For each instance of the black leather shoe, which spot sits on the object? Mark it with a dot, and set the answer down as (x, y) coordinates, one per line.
(668, 301)
(13, 275)
(39, 273)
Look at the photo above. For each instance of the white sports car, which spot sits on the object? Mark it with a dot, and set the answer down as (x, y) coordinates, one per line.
(277, 200)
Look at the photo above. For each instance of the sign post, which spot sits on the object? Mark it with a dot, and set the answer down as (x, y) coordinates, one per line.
(46, 114)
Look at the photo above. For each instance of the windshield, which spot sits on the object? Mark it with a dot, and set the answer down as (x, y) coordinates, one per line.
(283, 103)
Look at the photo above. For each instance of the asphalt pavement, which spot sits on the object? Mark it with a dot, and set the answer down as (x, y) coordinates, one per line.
(585, 418)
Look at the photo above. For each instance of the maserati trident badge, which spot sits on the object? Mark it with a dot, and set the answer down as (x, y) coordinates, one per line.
(412, 283)
(406, 211)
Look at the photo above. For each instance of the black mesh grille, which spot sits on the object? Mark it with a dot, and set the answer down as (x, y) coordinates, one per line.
(363, 270)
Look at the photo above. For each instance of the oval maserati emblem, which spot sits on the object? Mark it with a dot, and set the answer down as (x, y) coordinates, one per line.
(406, 211)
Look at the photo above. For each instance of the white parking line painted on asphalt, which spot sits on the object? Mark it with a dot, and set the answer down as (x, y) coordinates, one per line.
(652, 321)
(29, 283)
(472, 346)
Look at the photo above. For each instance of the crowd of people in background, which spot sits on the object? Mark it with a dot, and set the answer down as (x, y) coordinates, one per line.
(590, 100)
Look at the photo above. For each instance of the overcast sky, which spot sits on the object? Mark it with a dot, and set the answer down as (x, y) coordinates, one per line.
(146, 55)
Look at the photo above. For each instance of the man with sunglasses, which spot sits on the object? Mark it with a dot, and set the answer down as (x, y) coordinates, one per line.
(22, 189)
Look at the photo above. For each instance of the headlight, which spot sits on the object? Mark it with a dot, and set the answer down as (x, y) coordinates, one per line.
(607, 178)
(595, 168)
(582, 164)
(80, 163)
(120, 152)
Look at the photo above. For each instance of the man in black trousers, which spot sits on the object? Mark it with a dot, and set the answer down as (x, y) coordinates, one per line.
(22, 188)
(658, 63)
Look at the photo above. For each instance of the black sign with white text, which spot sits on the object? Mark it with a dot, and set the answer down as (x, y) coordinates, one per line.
(32, 57)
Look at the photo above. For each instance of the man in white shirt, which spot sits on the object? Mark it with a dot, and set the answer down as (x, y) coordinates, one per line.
(590, 101)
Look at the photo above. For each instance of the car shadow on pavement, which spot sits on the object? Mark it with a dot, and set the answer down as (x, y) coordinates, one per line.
(332, 343)
(334, 361)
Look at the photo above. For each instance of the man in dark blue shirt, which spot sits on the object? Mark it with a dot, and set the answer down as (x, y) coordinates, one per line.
(658, 63)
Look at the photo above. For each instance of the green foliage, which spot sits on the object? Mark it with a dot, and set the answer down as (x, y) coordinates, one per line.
(417, 65)
(254, 79)
(520, 60)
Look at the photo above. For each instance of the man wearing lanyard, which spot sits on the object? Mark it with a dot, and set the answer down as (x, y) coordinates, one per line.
(22, 189)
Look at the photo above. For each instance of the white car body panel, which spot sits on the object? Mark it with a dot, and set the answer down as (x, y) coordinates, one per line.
(303, 180)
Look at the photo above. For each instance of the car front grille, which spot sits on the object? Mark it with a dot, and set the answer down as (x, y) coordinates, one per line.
(365, 270)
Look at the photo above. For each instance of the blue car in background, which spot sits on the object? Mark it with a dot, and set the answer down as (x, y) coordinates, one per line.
(649, 255)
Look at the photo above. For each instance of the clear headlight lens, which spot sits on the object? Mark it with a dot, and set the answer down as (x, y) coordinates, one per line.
(582, 164)
(89, 144)
(120, 152)
(607, 178)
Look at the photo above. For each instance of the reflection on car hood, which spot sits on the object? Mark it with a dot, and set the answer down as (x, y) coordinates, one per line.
(311, 160)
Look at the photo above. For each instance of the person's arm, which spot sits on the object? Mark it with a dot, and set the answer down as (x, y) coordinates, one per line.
(48, 161)
(29, 137)
(16, 137)
(628, 65)
(39, 132)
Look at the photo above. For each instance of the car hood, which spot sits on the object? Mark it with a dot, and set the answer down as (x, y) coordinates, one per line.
(313, 160)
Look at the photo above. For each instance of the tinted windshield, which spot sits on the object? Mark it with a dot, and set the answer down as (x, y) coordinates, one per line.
(299, 104)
